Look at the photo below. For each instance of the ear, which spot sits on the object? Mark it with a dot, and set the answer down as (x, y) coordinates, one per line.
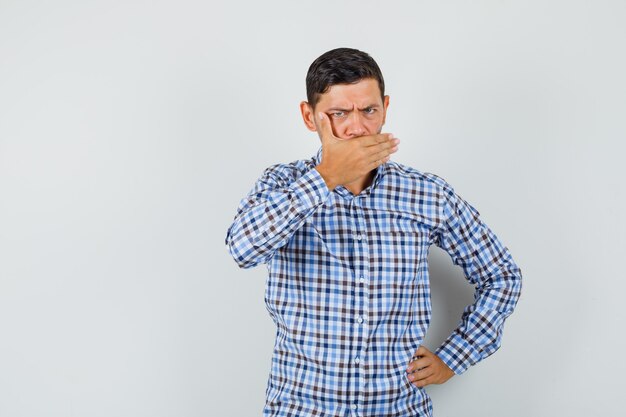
(385, 105)
(308, 116)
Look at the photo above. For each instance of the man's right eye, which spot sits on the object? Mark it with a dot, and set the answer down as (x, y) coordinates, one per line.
(338, 114)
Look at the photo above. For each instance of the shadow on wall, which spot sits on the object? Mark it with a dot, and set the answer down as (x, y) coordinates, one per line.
(450, 293)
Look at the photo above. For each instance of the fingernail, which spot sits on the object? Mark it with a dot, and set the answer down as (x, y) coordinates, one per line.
(397, 140)
(391, 136)
(320, 115)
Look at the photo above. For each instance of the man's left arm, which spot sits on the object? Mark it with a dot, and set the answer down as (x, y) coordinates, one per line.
(488, 265)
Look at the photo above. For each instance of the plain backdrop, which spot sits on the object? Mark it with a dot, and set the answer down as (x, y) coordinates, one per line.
(130, 130)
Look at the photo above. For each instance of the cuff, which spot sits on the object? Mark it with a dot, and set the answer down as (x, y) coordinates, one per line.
(458, 354)
(310, 190)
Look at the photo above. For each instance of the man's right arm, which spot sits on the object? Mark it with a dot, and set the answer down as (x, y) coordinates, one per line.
(275, 208)
(281, 201)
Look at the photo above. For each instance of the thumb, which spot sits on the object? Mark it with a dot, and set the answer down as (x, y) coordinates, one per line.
(325, 129)
(422, 351)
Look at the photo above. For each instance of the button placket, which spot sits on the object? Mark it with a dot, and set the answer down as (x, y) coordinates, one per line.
(361, 297)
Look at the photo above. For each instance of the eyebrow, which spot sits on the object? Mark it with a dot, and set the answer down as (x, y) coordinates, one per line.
(348, 110)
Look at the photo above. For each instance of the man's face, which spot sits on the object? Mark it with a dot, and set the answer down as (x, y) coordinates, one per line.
(353, 109)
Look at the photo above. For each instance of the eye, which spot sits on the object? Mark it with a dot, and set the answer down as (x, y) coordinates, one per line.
(338, 114)
(369, 110)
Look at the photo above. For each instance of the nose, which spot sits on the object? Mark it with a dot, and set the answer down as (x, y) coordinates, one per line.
(356, 127)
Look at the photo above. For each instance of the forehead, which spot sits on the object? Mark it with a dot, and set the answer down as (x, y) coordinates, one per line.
(364, 93)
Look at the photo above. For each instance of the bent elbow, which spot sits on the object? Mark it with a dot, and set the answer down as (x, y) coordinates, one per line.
(243, 262)
(243, 258)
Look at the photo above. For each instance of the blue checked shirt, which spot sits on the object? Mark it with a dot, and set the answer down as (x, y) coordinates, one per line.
(348, 285)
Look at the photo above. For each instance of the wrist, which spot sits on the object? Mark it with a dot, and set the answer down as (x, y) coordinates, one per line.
(330, 182)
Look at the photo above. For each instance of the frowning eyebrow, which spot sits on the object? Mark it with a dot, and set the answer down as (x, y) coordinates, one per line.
(371, 106)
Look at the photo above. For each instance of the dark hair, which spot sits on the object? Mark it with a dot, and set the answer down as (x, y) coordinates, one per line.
(340, 66)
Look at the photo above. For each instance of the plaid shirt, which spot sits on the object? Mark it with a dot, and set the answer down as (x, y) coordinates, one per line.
(348, 285)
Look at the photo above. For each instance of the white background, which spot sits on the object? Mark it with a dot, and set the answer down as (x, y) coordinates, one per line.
(130, 130)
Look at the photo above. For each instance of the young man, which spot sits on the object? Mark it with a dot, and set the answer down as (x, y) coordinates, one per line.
(345, 236)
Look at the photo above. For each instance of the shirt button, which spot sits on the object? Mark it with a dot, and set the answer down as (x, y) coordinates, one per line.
(357, 360)
(354, 406)
(358, 236)
(361, 279)
(359, 319)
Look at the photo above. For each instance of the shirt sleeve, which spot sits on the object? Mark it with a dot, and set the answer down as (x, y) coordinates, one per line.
(277, 206)
(488, 265)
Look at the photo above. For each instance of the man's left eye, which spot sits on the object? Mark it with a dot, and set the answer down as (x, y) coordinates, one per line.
(369, 110)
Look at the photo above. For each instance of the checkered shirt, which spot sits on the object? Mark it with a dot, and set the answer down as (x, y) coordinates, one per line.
(349, 291)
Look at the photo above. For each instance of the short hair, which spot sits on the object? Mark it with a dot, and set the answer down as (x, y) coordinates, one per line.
(340, 66)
